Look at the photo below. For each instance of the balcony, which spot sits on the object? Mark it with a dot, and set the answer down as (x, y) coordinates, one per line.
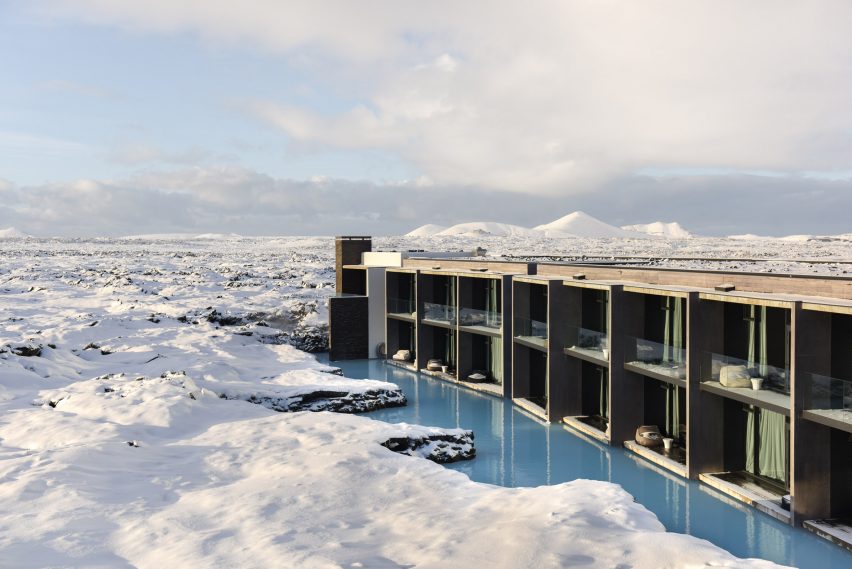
(828, 400)
(439, 313)
(532, 333)
(748, 382)
(660, 361)
(403, 308)
(483, 321)
(589, 345)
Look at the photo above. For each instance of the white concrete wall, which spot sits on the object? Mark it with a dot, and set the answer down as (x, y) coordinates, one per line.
(376, 308)
(382, 258)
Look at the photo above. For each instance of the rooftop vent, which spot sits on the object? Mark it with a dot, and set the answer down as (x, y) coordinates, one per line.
(724, 287)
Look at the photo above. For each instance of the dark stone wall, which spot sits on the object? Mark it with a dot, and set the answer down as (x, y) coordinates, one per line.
(347, 328)
(347, 251)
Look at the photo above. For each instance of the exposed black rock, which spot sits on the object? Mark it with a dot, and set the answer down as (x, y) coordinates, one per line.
(326, 400)
(441, 448)
(27, 351)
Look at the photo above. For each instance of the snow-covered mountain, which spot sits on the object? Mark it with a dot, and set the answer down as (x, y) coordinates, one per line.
(494, 228)
(671, 230)
(576, 224)
(12, 233)
(581, 224)
(427, 230)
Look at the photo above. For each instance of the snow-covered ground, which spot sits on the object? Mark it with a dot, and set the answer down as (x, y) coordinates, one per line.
(118, 449)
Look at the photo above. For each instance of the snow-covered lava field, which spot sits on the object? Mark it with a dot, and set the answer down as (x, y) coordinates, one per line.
(159, 408)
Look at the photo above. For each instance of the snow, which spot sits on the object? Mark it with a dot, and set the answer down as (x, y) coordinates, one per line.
(12, 233)
(581, 224)
(477, 228)
(671, 230)
(182, 236)
(117, 448)
(427, 230)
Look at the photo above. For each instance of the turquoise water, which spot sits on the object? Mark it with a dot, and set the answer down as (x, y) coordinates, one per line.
(516, 450)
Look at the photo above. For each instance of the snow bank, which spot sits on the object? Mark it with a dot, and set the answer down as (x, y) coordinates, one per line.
(230, 484)
(310, 390)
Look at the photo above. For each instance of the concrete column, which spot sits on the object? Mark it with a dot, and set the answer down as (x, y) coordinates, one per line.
(626, 390)
(565, 321)
(506, 308)
(693, 394)
(810, 443)
(705, 333)
(560, 395)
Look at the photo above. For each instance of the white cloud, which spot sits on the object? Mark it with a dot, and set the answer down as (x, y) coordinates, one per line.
(550, 95)
(234, 199)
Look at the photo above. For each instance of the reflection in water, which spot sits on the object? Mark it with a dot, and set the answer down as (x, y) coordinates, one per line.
(514, 449)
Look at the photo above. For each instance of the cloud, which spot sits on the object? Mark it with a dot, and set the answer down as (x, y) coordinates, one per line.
(548, 96)
(234, 199)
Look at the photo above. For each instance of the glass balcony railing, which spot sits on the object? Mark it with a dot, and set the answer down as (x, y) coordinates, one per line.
(589, 342)
(654, 356)
(737, 372)
(829, 397)
(439, 312)
(531, 330)
(401, 307)
(473, 318)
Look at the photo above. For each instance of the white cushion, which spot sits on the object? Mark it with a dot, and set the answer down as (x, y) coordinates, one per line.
(735, 376)
(402, 355)
(476, 376)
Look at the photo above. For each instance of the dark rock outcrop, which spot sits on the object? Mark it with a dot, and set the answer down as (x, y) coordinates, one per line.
(327, 400)
(441, 448)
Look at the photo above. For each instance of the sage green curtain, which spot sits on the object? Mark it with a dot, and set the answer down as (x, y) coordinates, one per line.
(451, 348)
(603, 409)
(757, 345)
(677, 325)
(763, 368)
(667, 330)
(766, 444)
(412, 339)
(752, 334)
(673, 411)
(673, 330)
(772, 454)
(751, 427)
(492, 302)
(496, 359)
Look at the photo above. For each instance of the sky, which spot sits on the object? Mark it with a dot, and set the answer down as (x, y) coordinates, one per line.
(264, 117)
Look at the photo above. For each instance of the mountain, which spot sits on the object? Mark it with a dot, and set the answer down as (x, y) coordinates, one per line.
(427, 230)
(581, 224)
(488, 228)
(672, 230)
(576, 224)
(12, 233)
